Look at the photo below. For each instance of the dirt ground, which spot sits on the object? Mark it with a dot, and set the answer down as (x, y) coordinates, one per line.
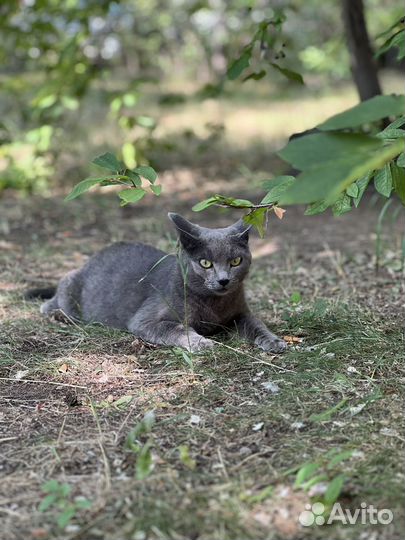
(218, 457)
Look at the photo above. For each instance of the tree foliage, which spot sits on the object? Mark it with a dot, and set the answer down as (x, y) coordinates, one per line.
(53, 57)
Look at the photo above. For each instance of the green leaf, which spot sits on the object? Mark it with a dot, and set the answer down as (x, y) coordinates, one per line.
(327, 176)
(205, 204)
(353, 190)
(342, 205)
(144, 462)
(398, 22)
(82, 503)
(314, 480)
(371, 110)
(263, 494)
(239, 65)
(319, 148)
(65, 517)
(135, 178)
(338, 458)
(64, 490)
(391, 133)
(146, 172)
(144, 426)
(257, 219)
(226, 201)
(333, 490)
(401, 160)
(157, 189)
(277, 186)
(131, 195)
(383, 181)
(317, 207)
(84, 186)
(288, 73)
(304, 473)
(51, 486)
(326, 415)
(255, 76)
(129, 154)
(238, 203)
(362, 184)
(398, 180)
(397, 123)
(47, 502)
(396, 40)
(295, 297)
(123, 401)
(109, 161)
(185, 457)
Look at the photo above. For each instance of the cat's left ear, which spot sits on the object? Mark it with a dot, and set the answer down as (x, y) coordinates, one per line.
(240, 230)
(188, 232)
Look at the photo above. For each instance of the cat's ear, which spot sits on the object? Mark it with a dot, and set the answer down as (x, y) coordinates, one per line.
(240, 231)
(189, 234)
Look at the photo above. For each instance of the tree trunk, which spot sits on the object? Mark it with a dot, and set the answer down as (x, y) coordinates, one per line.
(364, 68)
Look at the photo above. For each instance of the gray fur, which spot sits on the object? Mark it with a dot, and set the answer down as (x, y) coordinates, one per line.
(166, 299)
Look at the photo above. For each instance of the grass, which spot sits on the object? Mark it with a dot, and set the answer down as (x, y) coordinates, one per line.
(232, 427)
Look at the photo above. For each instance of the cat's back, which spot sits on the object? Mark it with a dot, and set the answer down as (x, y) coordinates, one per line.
(133, 254)
(117, 279)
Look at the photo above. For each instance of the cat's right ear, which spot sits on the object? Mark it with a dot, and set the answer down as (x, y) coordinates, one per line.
(188, 232)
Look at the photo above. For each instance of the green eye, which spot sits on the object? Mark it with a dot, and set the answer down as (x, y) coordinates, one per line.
(236, 261)
(205, 264)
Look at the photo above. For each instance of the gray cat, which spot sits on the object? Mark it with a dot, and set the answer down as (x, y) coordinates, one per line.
(165, 299)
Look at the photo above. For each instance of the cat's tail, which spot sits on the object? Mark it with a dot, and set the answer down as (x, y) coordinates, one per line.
(43, 293)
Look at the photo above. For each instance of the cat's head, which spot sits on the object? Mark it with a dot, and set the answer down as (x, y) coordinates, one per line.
(217, 260)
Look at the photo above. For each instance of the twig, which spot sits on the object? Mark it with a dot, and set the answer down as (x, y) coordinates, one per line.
(62, 427)
(107, 469)
(221, 461)
(6, 439)
(252, 207)
(124, 422)
(43, 382)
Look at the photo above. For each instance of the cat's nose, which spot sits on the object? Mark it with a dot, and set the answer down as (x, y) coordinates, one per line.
(223, 282)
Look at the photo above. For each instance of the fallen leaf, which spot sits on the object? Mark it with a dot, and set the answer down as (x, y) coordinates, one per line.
(357, 408)
(297, 425)
(123, 401)
(352, 369)
(279, 212)
(271, 387)
(21, 374)
(292, 339)
(63, 368)
(195, 419)
(39, 533)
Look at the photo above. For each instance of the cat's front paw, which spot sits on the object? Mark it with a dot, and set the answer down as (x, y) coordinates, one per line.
(196, 343)
(275, 345)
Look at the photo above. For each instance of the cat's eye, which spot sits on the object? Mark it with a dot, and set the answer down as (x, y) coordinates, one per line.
(205, 264)
(236, 261)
